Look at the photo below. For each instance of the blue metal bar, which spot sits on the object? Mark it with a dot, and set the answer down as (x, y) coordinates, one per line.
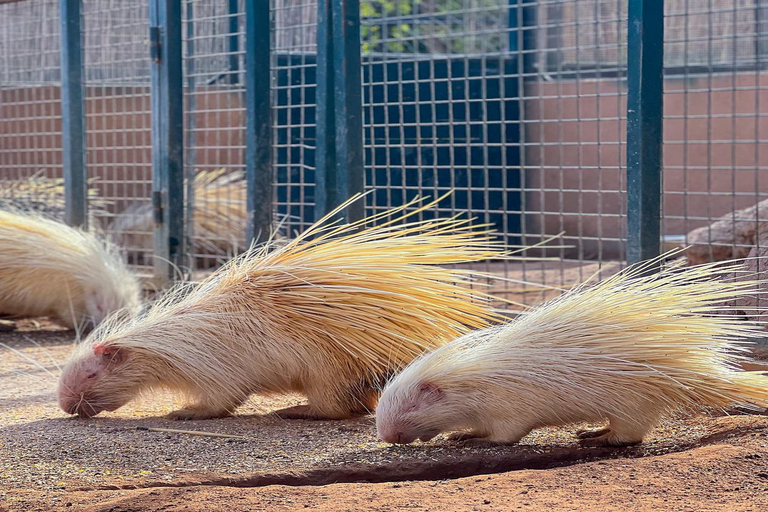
(339, 157)
(645, 69)
(73, 115)
(167, 135)
(325, 152)
(191, 141)
(258, 126)
(234, 44)
(347, 68)
(522, 21)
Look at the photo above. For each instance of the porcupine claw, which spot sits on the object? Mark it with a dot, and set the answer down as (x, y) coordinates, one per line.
(464, 436)
(307, 412)
(589, 433)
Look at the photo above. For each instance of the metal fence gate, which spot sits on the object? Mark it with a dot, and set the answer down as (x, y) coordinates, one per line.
(268, 112)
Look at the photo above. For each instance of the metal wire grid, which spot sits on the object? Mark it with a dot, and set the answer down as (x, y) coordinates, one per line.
(714, 120)
(439, 113)
(215, 129)
(575, 117)
(456, 97)
(118, 121)
(30, 125)
(294, 66)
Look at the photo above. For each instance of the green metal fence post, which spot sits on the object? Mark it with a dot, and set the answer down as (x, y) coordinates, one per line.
(645, 81)
(258, 126)
(73, 115)
(339, 170)
(524, 28)
(325, 152)
(167, 135)
(234, 44)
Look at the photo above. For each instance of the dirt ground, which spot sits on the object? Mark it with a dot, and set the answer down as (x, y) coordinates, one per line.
(49, 461)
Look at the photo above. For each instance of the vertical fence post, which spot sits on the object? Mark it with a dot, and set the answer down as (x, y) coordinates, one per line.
(325, 141)
(522, 22)
(645, 81)
(234, 44)
(190, 143)
(73, 115)
(258, 125)
(167, 135)
(340, 171)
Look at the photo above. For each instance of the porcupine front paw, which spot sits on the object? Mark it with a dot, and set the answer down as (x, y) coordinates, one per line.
(606, 437)
(466, 436)
(478, 439)
(197, 413)
(307, 412)
(589, 433)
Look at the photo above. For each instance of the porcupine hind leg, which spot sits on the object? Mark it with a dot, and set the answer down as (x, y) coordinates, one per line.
(619, 432)
(334, 405)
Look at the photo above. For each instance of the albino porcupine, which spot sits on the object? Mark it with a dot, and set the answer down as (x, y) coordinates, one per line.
(45, 196)
(331, 315)
(628, 349)
(50, 269)
(219, 221)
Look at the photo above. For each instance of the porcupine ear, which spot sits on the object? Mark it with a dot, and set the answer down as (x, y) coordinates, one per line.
(431, 390)
(109, 353)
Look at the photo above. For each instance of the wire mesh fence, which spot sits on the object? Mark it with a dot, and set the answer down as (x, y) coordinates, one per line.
(30, 119)
(519, 107)
(215, 129)
(714, 124)
(294, 87)
(480, 97)
(118, 126)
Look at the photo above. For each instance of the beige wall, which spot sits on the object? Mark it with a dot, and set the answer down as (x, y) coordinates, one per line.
(720, 156)
(572, 186)
(118, 136)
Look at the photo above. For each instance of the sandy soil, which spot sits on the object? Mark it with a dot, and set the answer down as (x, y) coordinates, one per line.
(49, 461)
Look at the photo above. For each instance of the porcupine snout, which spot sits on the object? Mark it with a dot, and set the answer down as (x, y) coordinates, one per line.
(90, 382)
(404, 413)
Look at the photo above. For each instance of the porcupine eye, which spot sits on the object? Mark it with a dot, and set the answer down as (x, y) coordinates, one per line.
(90, 375)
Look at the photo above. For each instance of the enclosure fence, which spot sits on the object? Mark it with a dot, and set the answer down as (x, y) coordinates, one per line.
(206, 124)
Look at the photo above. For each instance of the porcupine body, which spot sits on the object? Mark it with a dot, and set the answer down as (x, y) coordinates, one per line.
(50, 269)
(629, 350)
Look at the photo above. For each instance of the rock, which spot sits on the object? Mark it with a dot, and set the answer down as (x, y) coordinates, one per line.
(755, 306)
(731, 236)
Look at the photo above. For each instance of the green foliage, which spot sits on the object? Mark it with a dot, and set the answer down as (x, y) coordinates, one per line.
(380, 10)
(440, 26)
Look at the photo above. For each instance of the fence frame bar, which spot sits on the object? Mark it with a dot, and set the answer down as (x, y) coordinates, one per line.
(339, 171)
(645, 84)
(234, 43)
(73, 115)
(527, 33)
(258, 120)
(165, 42)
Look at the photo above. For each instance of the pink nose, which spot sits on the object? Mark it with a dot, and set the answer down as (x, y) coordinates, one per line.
(78, 406)
(398, 438)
